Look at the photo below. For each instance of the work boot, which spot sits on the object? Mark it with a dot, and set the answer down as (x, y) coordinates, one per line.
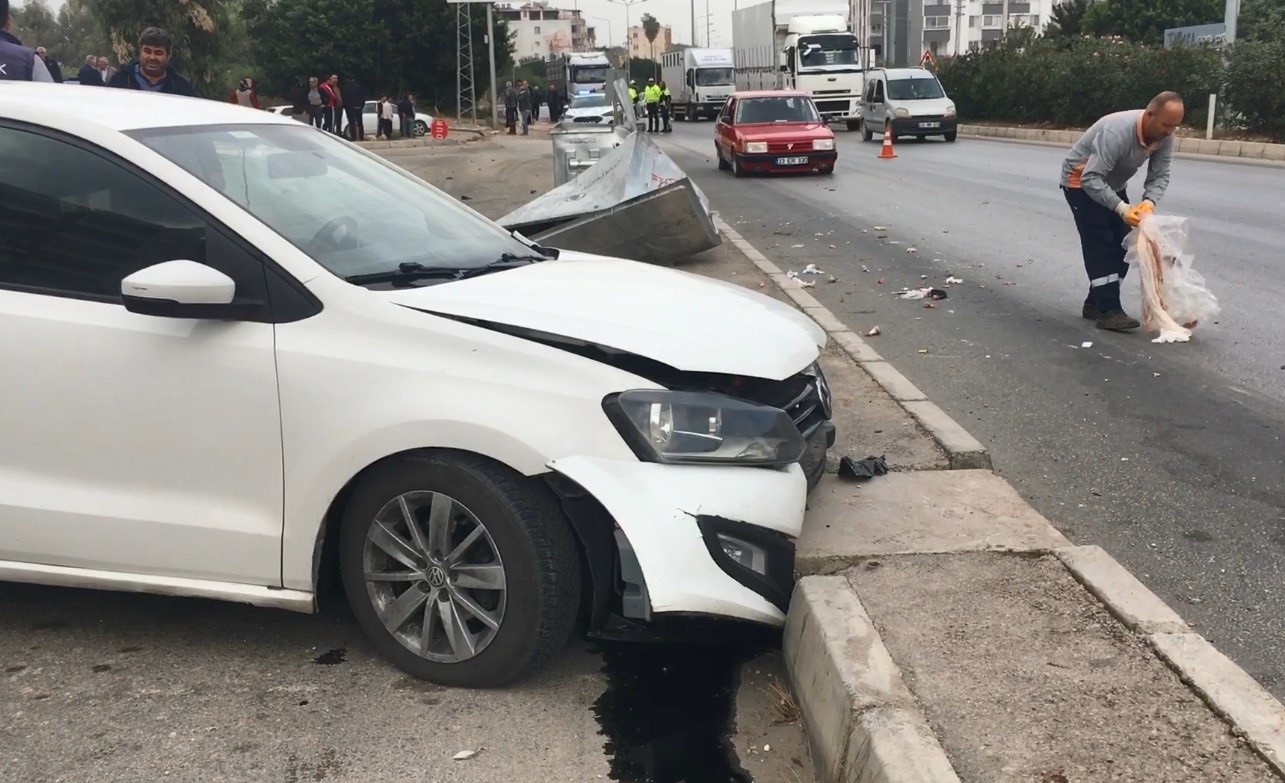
(1090, 311)
(1116, 321)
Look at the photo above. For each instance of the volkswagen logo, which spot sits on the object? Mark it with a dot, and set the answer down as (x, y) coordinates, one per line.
(436, 577)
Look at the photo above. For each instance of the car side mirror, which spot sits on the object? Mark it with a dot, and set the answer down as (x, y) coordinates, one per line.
(183, 289)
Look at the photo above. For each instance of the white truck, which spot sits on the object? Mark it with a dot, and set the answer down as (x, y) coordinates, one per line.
(700, 81)
(805, 45)
(578, 73)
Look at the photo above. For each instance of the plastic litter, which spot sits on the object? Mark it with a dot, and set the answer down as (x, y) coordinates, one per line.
(862, 470)
(936, 294)
(952, 280)
(811, 269)
(1174, 296)
(465, 755)
(874, 332)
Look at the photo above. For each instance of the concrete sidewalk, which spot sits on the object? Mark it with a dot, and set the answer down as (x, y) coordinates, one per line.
(942, 629)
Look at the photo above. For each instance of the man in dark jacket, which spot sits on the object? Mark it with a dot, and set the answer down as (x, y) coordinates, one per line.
(17, 62)
(406, 111)
(510, 108)
(354, 101)
(555, 104)
(55, 70)
(152, 70)
(89, 74)
(524, 106)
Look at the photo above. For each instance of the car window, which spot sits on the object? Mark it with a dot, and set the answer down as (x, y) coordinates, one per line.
(369, 108)
(590, 101)
(349, 210)
(793, 108)
(77, 223)
(914, 89)
(727, 111)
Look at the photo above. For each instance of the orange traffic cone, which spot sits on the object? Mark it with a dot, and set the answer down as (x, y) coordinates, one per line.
(886, 153)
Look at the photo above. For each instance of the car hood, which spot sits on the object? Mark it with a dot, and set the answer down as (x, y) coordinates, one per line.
(691, 323)
(927, 107)
(783, 131)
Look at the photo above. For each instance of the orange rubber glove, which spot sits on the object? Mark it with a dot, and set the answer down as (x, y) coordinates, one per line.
(1133, 215)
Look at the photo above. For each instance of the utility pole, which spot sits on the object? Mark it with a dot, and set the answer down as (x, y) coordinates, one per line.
(959, 25)
(490, 45)
(707, 21)
(1230, 15)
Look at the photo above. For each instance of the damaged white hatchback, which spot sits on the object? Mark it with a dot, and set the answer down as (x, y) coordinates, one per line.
(242, 356)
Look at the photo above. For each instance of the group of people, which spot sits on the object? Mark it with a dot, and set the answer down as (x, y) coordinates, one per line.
(327, 103)
(522, 105)
(659, 102)
(150, 71)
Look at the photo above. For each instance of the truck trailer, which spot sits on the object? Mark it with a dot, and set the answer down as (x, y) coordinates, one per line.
(805, 45)
(700, 81)
(578, 73)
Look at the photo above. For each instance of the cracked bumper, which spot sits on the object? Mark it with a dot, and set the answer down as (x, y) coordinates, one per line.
(672, 516)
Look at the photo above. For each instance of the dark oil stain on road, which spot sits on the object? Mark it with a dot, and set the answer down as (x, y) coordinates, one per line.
(667, 712)
(331, 657)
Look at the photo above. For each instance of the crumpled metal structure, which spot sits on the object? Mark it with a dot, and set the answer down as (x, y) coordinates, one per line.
(634, 203)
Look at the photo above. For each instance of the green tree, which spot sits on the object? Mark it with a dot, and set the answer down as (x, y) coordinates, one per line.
(1145, 21)
(651, 29)
(34, 24)
(199, 28)
(80, 35)
(641, 69)
(1067, 19)
(1261, 20)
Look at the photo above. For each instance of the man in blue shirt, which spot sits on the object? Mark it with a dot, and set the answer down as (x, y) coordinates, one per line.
(152, 70)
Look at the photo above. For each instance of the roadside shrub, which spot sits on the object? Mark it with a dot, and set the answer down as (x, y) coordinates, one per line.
(1074, 82)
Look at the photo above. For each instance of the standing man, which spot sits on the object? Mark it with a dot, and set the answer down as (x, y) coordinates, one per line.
(245, 94)
(107, 71)
(536, 95)
(524, 106)
(336, 105)
(652, 95)
(89, 73)
(406, 110)
(1094, 177)
(511, 108)
(316, 102)
(17, 62)
(354, 103)
(555, 104)
(55, 70)
(152, 70)
(666, 107)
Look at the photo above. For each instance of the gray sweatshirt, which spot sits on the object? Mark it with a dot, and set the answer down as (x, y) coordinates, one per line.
(1108, 155)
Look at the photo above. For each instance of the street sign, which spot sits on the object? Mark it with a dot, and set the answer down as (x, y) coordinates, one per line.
(440, 130)
(1214, 35)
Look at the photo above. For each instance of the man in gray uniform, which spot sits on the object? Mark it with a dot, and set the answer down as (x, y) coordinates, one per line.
(1094, 177)
(17, 62)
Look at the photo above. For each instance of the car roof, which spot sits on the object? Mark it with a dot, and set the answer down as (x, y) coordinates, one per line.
(908, 73)
(60, 105)
(769, 94)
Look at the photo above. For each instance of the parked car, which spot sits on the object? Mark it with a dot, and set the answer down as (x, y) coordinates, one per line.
(908, 102)
(369, 119)
(259, 357)
(773, 131)
(594, 108)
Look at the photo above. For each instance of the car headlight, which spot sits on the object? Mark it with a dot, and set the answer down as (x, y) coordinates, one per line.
(950, 110)
(901, 113)
(823, 144)
(756, 146)
(684, 427)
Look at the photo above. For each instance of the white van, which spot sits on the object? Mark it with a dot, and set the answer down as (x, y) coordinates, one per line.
(910, 101)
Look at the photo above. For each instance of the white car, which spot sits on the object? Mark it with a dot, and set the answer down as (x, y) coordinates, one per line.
(369, 119)
(595, 107)
(241, 357)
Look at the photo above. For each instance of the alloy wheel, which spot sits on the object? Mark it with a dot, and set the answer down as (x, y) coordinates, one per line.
(434, 576)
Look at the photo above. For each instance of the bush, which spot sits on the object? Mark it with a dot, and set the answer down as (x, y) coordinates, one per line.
(1075, 82)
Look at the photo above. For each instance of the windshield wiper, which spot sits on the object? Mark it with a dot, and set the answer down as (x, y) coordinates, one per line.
(405, 272)
(505, 261)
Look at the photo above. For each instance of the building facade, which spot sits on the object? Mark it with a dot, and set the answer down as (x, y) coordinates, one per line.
(908, 28)
(542, 31)
(639, 46)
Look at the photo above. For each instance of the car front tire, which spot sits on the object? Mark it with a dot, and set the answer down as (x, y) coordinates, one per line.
(737, 169)
(460, 571)
(951, 136)
(421, 128)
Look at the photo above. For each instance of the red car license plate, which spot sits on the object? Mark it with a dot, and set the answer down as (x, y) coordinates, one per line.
(795, 161)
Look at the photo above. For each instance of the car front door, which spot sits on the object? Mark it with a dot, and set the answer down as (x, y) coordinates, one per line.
(725, 133)
(370, 118)
(133, 444)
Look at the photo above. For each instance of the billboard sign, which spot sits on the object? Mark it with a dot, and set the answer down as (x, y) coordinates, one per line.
(1214, 35)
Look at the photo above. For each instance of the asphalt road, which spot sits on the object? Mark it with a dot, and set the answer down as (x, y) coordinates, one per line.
(1168, 456)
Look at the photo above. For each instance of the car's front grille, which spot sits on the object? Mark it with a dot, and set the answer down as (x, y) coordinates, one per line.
(588, 119)
(800, 396)
(794, 147)
(833, 106)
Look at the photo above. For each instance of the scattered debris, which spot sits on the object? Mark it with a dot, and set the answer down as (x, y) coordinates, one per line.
(952, 280)
(1086, 344)
(811, 269)
(781, 233)
(923, 350)
(865, 268)
(1155, 375)
(929, 306)
(863, 470)
(833, 279)
(881, 228)
(465, 755)
(796, 246)
(879, 281)
(466, 198)
(912, 250)
(936, 294)
(874, 332)
(784, 705)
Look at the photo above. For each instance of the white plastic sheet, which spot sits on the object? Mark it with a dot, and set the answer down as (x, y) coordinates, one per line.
(1174, 295)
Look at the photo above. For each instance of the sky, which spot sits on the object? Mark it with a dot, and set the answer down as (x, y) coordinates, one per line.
(675, 13)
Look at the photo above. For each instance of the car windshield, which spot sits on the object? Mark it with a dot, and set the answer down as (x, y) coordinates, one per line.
(829, 51)
(914, 89)
(595, 101)
(348, 209)
(590, 74)
(714, 77)
(794, 108)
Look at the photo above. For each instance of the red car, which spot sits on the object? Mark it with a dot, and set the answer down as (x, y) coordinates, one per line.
(773, 131)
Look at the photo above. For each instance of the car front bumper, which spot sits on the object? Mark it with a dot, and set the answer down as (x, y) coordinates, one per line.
(768, 161)
(676, 518)
(912, 126)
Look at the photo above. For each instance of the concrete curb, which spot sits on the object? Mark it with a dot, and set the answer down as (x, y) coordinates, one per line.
(963, 451)
(470, 134)
(1246, 150)
(862, 722)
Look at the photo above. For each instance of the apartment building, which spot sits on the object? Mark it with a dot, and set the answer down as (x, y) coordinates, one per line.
(639, 46)
(543, 31)
(908, 28)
